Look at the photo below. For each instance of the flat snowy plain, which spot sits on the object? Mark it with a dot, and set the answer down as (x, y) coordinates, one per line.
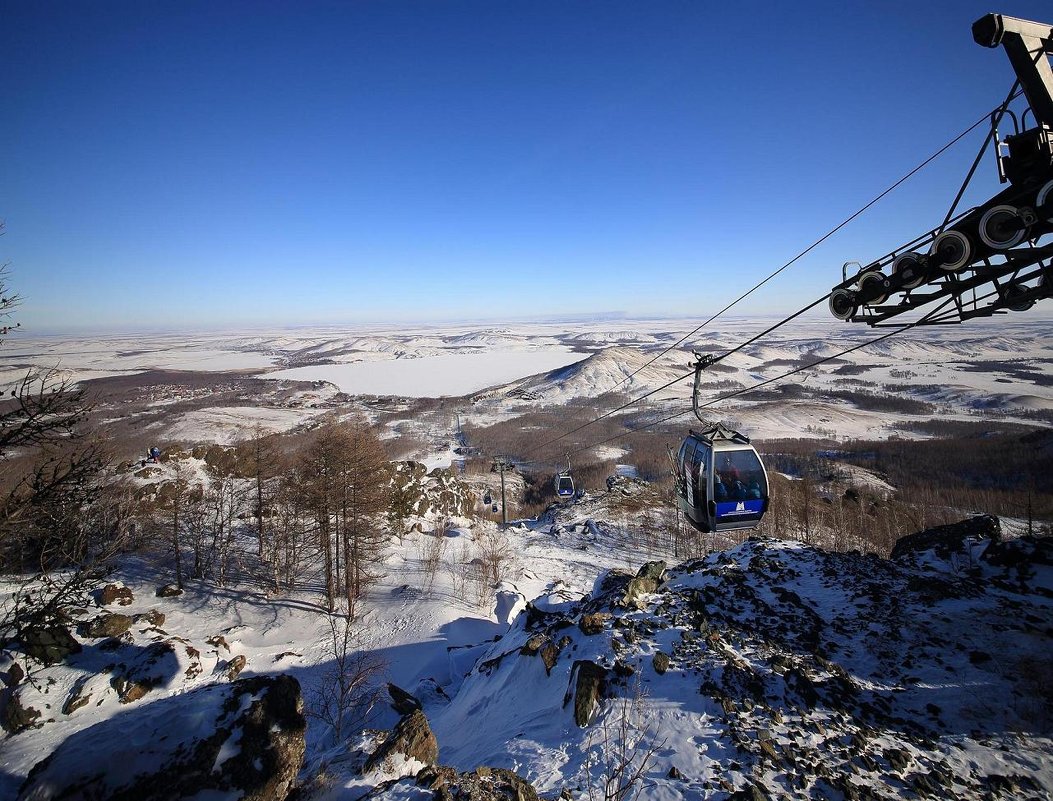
(999, 368)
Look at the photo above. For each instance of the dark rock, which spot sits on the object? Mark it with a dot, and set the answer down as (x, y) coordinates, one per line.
(674, 773)
(129, 691)
(114, 593)
(481, 784)
(49, 644)
(169, 591)
(403, 702)
(14, 717)
(646, 581)
(412, 737)
(251, 748)
(234, 667)
(751, 792)
(945, 540)
(533, 645)
(153, 617)
(623, 669)
(14, 676)
(660, 661)
(218, 641)
(593, 623)
(589, 688)
(109, 625)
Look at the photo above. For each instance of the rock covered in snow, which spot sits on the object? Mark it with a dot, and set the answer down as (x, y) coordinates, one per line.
(243, 740)
(800, 673)
(411, 741)
(437, 494)
(952, 538)
(49, 644)
(115, 593)
(481, 784)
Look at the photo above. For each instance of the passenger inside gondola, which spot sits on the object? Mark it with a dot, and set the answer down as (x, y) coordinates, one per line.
(720, 492)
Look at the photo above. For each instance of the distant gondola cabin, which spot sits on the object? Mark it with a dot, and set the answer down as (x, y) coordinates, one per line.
(564, 485)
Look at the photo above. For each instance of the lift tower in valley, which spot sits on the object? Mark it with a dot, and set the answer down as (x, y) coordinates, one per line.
(499, 466)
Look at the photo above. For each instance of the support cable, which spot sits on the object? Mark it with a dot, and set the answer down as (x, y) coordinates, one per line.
(677, 380)
(745, 390)
(1013, 93)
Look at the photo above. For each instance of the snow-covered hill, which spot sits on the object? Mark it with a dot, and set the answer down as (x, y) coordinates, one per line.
(772, 670)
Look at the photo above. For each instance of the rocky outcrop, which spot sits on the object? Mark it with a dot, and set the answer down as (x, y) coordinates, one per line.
(945, 540)
(243, 740)
(647, 580)
(438, 493)
(49, 644)
(14, 717)
(114, 593)
(411, 739)
(107, 625)
(481, 784)
(589, 687)
(401, 701)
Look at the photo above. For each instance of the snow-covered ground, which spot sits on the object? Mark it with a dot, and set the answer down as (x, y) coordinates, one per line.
(434, 376)
(996, 367)
(853, 653)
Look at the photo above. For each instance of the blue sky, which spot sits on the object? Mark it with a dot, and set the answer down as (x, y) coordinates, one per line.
(239, 164)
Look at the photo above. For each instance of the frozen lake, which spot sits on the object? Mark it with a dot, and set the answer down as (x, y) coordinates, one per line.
(434, 376)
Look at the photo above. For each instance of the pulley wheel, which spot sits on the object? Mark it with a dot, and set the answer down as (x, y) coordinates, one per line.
(951, 251)
(1000, 227)
(1014, 291)
(873, 288)
(842, 303)
(910, 269)
(1045, 195)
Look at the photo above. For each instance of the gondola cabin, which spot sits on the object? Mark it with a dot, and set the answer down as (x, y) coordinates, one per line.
(564, 485)
(721, 483)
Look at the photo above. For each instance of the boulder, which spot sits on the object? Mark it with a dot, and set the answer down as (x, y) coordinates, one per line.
(243, 740)
(412, 738)
(401, 701)
(115, 593)
(169, 591)
(234, 667)
(593, 623)
(14, 717)
(945, 540)
(112, 624)
(589, 688)
(153, 617)
(49, 644)
(481, 784)
(660, 661)
(647, 580)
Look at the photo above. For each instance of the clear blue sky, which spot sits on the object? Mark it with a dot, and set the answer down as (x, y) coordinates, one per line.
(224, 164)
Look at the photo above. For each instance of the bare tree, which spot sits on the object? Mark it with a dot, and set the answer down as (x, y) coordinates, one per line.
(620, 752)
(263, 467)
(349, 689)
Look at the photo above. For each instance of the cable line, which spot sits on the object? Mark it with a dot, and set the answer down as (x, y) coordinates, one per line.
(677, 380)
(745, 390)
(825, 236)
